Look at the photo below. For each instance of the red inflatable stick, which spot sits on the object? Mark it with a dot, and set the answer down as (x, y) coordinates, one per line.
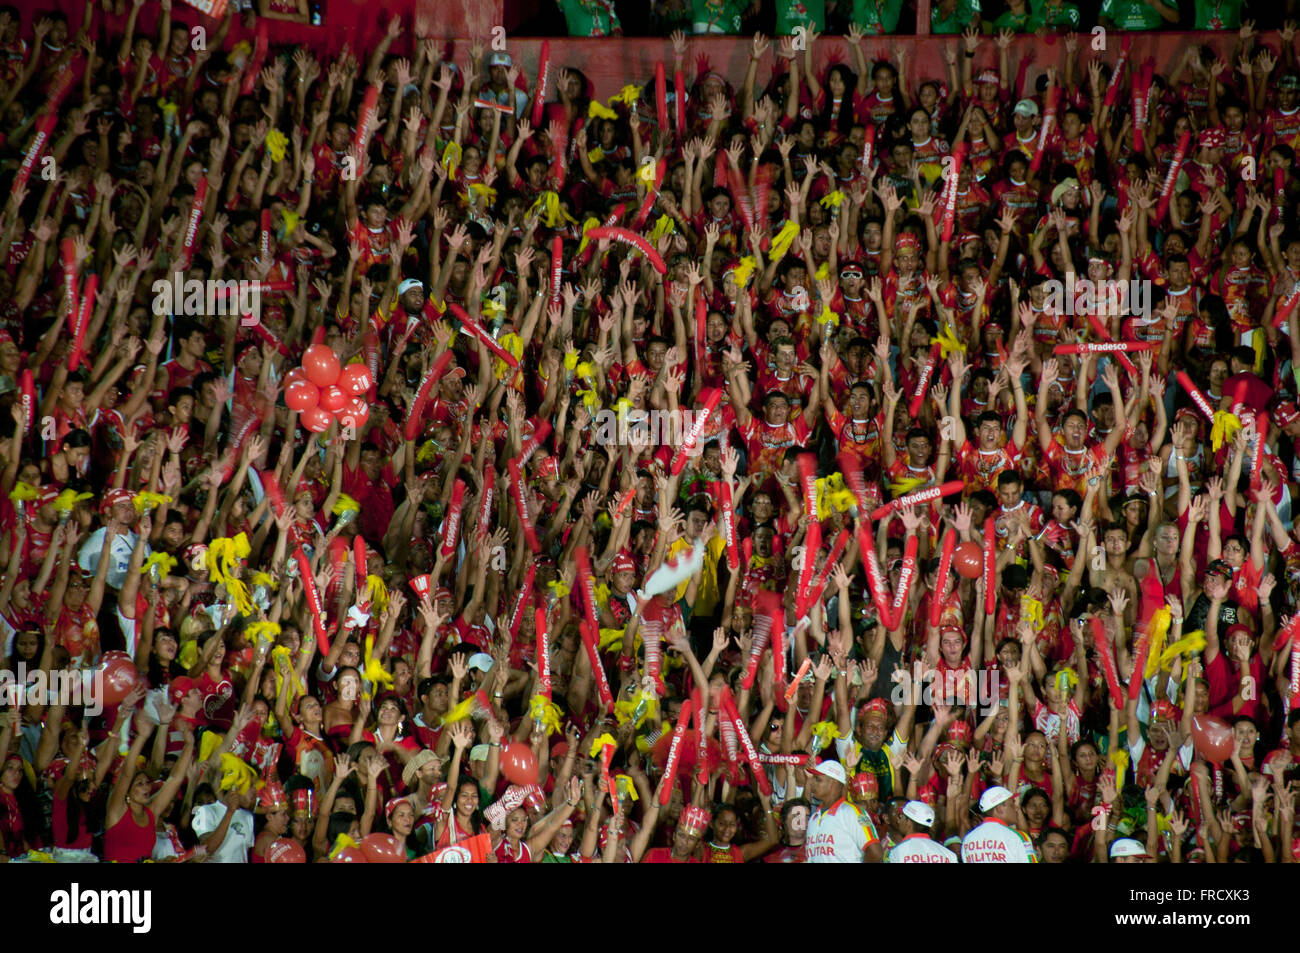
(876, 581)
(701, 717)
(950, 193)
(44, 129)
(557, 269)
(727, 709)
(265, 244)
(415, 418)
(898, 609)
(485, 504)
(85, 308)
(451, 527)
(1257, 459)
(274, 492)
(945, 566)
(990, 565)
(868, 146)
(192, 223)
(543, 80)
(1102, 643)
(519, 493)
(679, 103)
(1140, 653)
(314, 604)
(661, 99)
(475, 330)
(1197, 397)
(360, 561)
(1112, 88)
(1175, 166)
(535, 440)
(729, 526)
(923, 380)
(687, 449)
(651, 194)
(675, 753)
(521, 600)
(543, 651)
(629, 237)
(1103, 335)
(254, 67)
(759, 638)
(27, 387)
(1106, 347)
(1045, 130)
(919, 497)
(597, 669)
(68, 255)
(360, 136)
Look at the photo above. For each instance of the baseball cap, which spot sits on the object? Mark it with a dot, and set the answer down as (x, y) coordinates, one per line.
(922, 814)
(830, 769)
(992, 797)
(408, 284)
(179, 688)
(1286, 414)
(1212, 138)
(987, 76)
(500, 58)
(1127, 847)
(1026, 107)
(481, 661)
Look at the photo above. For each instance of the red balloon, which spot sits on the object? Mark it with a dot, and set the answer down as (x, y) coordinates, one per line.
(383, 849)
(316, 419)
(120, 676)
(350, 855)
(968, 559)
(301, 396)
(297, 374)
(321, 365)
(687, 754)
(333, 399)
(518, 763)
(355, 379)
(1212, 737)
(355, 413)
(286, 850)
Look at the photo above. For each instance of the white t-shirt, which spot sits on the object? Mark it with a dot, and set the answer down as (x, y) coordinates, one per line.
(996, 842)
(920, 849)
(239, 836)
(838, 835)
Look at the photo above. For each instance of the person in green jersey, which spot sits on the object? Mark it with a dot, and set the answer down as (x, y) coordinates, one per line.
(809, 14)
(718, 16)
(1018, 18)
(877, 17)
(1219, 15)
(1056, 14)
(954, 16)
(591, 17)
(1138, 14)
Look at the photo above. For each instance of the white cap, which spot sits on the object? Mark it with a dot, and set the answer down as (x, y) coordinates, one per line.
(500, 58)
(1127, 847)
(920, 812)
(830, 769)
(409, 283)
(481, 661)
(992, 797)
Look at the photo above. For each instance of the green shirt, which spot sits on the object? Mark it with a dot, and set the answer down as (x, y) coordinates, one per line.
(877, 16)
(1060, 16)
(809, 14)
(1026, 22)
(1132, 14)
(590, 17)
(1224, 15)
(718, 17)
(955, 22)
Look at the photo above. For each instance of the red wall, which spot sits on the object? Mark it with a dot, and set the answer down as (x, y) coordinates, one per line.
(611, 64)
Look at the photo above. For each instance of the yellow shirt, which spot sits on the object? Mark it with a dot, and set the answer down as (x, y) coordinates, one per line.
(707, 596)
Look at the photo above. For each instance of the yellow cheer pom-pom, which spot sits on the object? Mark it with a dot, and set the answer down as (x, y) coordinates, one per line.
(275, 144)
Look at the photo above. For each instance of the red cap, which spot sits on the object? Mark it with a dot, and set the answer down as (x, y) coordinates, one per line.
(45, 496)
(623, 562)
(1166, 710)
(113, 497)
(1285, 414)
(865, 784)
(695, 820)
(272, 798)
(877, 706)
(179, 688)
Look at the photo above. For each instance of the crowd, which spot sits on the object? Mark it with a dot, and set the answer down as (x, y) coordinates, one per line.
(717, 473)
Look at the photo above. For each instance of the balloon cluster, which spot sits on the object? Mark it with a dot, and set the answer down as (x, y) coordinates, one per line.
(322, 391)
